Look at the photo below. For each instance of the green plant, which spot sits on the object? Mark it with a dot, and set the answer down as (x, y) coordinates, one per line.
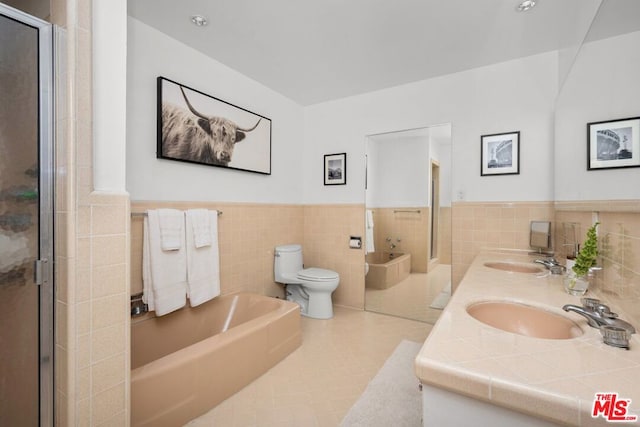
(588, 255)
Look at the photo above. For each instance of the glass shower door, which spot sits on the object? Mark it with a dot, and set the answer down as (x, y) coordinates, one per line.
(23, 98)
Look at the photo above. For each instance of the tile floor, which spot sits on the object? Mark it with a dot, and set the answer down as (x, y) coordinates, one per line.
(411, 297)
(318, 383)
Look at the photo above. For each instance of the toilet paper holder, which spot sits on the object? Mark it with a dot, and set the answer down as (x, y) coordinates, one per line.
(355, 242)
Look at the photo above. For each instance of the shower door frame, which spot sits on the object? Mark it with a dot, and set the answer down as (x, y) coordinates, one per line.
(44, 268)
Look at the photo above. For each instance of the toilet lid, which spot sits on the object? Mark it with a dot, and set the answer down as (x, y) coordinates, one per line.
(317, 274)
(289, 248)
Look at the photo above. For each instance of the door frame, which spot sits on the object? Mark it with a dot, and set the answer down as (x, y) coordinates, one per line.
(46, 170)
(434, 175)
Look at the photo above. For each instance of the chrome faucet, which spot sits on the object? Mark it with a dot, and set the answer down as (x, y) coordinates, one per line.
(552, 265)
(138, 306)
(598, 314)
(392, 245)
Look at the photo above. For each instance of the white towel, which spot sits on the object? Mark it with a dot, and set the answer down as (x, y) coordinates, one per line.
(164, 273)
(369, 218)
(203, 263)
(368, 237)
(200, 227)
(147, 281)
(171, 228)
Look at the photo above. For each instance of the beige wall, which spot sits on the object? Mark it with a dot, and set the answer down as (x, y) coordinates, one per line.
(326, 245)
(506, 225)
(92, 265)
(619, 244)
(248, 234)
(477, 225)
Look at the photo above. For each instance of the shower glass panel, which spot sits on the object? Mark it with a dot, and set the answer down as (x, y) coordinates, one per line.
(24, 355)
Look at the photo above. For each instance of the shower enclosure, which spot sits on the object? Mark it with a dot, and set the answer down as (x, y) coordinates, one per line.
(26, 220)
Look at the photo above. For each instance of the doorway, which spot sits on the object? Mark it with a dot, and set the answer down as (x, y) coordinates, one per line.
(408, 235)
(26, 220)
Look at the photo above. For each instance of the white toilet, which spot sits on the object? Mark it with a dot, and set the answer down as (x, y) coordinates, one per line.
(311, 288)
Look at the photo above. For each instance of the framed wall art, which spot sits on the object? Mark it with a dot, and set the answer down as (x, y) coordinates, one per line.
(500, 154)
(198, 128)
(335, 169)
(613, 144)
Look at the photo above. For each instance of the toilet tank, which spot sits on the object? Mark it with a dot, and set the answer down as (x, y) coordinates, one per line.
(287, 262)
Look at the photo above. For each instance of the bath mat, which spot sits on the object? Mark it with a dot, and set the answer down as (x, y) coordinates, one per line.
(441, 300)
(392, 397)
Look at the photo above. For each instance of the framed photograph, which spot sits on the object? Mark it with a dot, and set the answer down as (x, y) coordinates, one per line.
(198, 128)
(500, 154)
(613, 144)
(335, 169)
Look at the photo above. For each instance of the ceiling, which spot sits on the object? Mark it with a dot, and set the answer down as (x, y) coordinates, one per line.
(315, 51)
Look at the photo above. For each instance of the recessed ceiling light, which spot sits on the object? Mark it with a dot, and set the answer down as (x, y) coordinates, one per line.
(526, 5)
(199, 20)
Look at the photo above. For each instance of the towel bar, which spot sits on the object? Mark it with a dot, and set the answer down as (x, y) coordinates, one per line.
(145, 214)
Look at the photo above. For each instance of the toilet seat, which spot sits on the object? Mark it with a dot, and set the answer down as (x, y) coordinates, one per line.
(317, 275)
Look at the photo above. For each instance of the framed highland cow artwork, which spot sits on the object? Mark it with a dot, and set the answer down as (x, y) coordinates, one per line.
(198, 128)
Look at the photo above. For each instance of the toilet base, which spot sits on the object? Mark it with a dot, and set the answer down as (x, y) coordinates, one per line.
(295, 294)
(320, 306)
(313, 304)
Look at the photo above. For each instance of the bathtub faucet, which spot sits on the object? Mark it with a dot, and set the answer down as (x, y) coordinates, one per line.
(138, 306)
(391, 244)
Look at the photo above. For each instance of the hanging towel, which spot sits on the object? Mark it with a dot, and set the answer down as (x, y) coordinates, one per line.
(203, 263)
(369, 218)
(164, 273)
(200, 227)
(171, 228)
(147, 285)
(369, 246)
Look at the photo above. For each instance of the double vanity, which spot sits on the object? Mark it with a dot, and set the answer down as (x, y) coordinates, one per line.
(504, 352)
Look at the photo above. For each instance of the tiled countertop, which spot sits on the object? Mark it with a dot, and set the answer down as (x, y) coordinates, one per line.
(552, 379)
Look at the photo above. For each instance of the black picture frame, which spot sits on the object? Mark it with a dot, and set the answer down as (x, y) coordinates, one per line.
(195, 127)
(335, 169)
(613, 144)
(500, 154)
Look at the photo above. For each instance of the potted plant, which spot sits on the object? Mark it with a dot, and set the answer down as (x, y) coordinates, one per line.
(576, 281)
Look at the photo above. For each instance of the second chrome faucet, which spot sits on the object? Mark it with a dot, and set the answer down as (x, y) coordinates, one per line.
(552, 265)
(615, 332)
(598, 314)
